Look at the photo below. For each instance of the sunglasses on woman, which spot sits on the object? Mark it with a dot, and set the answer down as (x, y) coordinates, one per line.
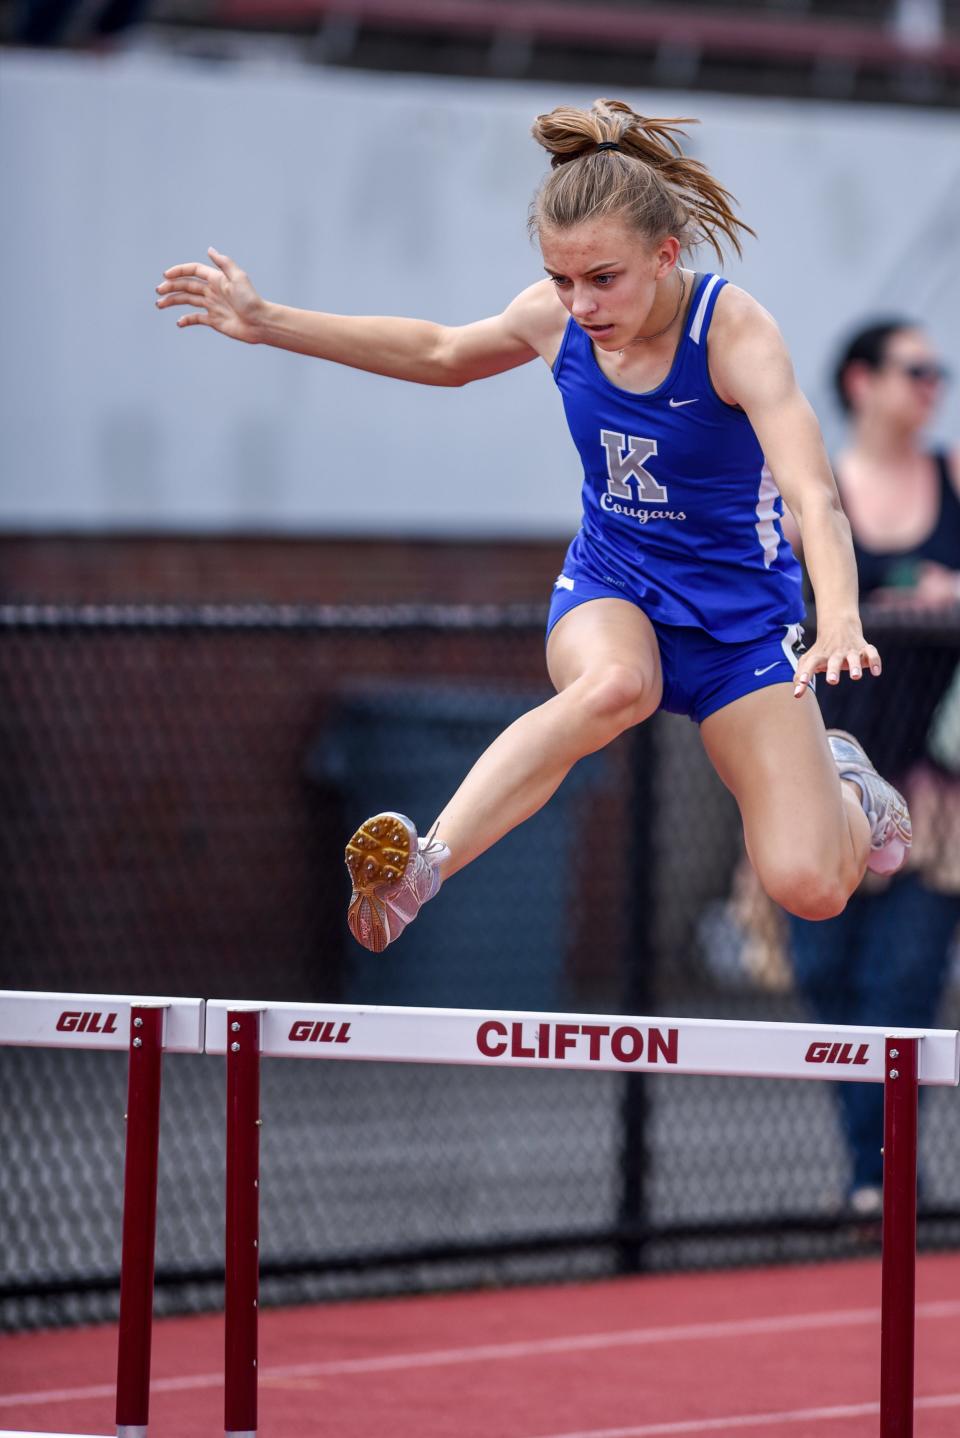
(923, 371)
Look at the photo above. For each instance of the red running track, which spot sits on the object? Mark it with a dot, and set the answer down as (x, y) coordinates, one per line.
(783, 1352)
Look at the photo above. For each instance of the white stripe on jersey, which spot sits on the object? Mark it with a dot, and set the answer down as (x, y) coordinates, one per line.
(767, 517)
(697, 325)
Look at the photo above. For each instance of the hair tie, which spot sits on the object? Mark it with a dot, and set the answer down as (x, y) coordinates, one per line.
(606, 145)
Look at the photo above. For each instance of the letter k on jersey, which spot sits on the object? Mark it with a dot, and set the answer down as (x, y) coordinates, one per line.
(623, 467)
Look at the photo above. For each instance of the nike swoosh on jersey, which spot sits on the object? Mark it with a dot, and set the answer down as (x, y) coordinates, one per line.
(758, 672)
(678, 403)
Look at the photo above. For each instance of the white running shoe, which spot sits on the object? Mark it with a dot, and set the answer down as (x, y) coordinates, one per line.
(891, 832)
(393, 875)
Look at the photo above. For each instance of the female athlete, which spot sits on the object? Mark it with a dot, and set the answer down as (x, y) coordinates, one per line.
(679, 591)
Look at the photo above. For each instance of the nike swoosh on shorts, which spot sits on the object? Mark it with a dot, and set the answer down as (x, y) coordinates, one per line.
(758, 672)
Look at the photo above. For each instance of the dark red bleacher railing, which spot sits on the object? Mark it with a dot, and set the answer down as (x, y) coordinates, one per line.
(614, 27)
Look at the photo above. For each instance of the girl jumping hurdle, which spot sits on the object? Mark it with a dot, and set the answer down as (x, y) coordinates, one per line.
(679, 591)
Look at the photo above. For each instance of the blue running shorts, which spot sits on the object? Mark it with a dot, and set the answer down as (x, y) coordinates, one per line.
(700, 674)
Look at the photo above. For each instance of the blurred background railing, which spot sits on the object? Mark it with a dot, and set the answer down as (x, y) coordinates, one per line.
(889, 51)
(177, 788)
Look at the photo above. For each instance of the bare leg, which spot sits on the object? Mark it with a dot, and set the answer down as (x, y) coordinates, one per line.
(604, 662)
(805, 830)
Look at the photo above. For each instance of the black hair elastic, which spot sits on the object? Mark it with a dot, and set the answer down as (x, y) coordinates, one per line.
(607, 145)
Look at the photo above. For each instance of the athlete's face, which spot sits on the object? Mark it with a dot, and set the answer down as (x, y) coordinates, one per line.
(608, 276)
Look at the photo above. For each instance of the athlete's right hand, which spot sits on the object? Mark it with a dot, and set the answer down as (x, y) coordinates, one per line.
(221, 293)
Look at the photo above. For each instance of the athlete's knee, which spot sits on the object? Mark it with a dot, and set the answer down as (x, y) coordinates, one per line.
(617, 696)
(808, 891)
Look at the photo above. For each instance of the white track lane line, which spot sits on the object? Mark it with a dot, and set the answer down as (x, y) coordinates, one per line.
(755, 1420)
(501, 1352)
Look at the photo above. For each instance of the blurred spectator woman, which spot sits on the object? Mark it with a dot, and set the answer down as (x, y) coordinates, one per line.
(884, 960)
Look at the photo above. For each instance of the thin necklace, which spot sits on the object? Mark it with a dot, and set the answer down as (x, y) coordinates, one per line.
(637, 338)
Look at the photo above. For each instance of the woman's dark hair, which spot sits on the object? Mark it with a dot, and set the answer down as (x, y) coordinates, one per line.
(869, 347)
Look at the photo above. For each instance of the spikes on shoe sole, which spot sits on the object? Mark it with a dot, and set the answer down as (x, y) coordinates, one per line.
(378, 852)
(378, 857)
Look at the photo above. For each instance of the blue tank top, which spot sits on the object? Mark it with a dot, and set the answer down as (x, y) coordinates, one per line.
(679, 509)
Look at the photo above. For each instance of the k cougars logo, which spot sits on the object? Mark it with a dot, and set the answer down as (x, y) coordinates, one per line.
(627, 456)
(325, 1031)
(81, 1022)
(626, 1043)
(837, 1054)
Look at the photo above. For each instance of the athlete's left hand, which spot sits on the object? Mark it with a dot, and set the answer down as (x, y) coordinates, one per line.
(838, 647)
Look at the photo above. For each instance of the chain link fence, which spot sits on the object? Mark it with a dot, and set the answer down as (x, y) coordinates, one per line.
(177, 787)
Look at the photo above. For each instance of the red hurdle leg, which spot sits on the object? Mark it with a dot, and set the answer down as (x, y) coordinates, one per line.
(243, 1215)
(139, 1221)
(899, 1237)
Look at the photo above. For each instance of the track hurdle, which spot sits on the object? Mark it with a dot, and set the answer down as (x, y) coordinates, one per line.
(901, 1061)
(145, 1027)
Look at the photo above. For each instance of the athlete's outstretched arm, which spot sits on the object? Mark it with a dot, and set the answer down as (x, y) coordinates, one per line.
(223, 298)
(751, 367)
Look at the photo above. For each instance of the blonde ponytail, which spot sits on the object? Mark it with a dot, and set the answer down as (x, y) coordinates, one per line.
(647, 178)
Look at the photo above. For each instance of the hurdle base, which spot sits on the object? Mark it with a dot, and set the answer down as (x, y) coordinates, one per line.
(138, 1431)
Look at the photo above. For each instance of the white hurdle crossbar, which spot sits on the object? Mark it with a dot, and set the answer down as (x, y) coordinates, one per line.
(900, 1060)
(145, 1028)
(581, 1041)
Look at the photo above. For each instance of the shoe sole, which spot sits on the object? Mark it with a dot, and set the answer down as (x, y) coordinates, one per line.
(905, 837)
(377, 856)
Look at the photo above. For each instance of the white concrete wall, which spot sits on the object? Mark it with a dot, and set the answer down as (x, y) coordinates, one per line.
(374, 194)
